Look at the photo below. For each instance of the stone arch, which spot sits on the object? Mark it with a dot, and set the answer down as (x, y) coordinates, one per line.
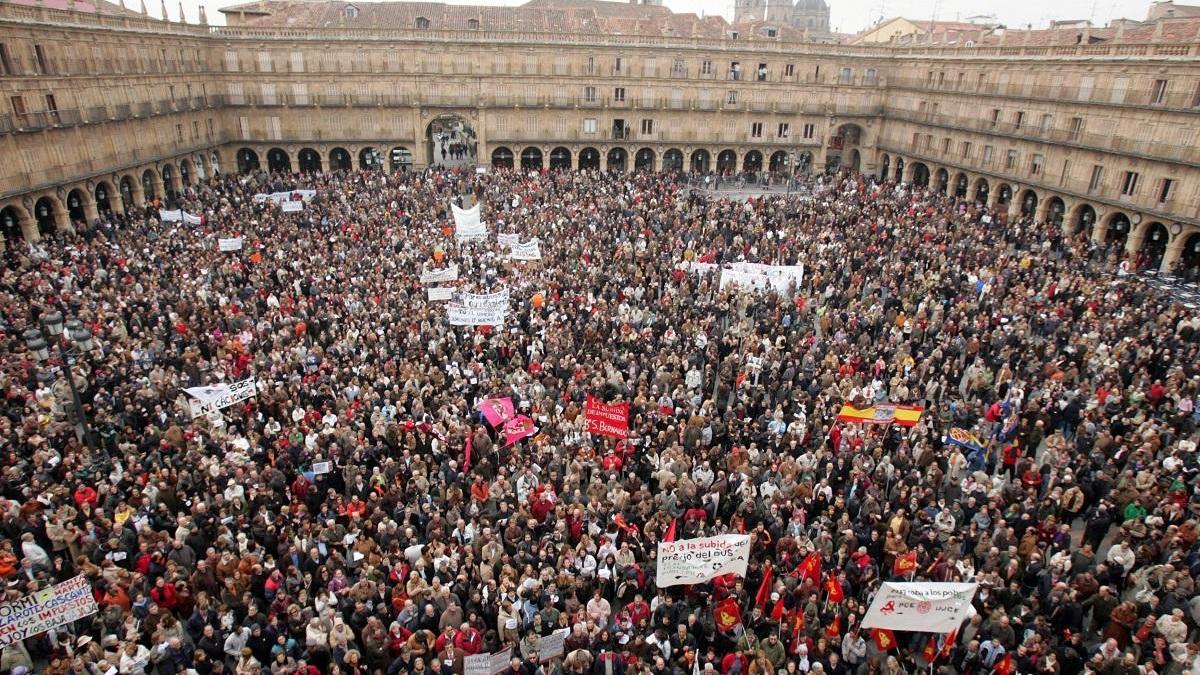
(1189, 257)
(560, 158)
(727, 161)
(169, 179)
(370, 158)
(589, 158)
(247, 160)
(130, 190)
(672, 160)
(778, 161)
(885, 165)
(941, 180)
(278, 161)
(842, 142)
(1028, 202)
(1004, 194)
(961, 185)
(1155, 237)
(920, 174)
(644, 160)
(1056, 210)
(617, 160)
(898, 172)
(103, 196)
(980, 190)
(309, 160)
(752, 162)
(502, 158)
(339, 160)
(16, 224)
(1083, 218)
(531, 158)
(201, 166)
(77, 205)
(49, 214)
(451, 140)
(1116, 228)
(186, 174)
(149, 181)
(700, 161)
(400, 158)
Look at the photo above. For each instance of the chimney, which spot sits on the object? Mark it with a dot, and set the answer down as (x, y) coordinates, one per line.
(203, 17)
(1158, 31)
(1028, 34)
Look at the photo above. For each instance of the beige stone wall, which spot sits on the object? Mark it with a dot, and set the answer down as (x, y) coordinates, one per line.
(132, 97)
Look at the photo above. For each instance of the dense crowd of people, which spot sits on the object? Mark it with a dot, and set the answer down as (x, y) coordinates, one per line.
(214, 546)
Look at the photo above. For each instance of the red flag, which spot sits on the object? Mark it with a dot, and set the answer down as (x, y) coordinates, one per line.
(905, 564)
(884, 639)
(930, 653)
(835, 628)
(727, 614)
(764, 589)
(467, 454)
(670, 535)
(778, 611)
(949, 643)
(834, 588)
(740, 379)
(1005, 666)
(810, 568)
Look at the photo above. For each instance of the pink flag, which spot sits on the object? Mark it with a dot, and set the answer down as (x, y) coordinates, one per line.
(515, 430)
(497, 411)
(467, 454)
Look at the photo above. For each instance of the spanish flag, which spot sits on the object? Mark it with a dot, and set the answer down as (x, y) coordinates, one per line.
(905, 564)
(882, 413)
(884, 639)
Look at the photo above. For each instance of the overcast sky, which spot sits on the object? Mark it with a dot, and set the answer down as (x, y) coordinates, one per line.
(849, 16)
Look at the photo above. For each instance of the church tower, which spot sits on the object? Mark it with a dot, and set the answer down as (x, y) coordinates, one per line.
(748, 10)
(779, 11)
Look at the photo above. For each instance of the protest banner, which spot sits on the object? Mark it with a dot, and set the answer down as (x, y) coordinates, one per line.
(530, 250)
(508, 239)
(518, 428)
(745, 281)
(694, 561)
(320, 468)
(467, 226)
(46, 609)
(779, 277)
(606, 419)
(291, 206)
(230, 244)
(487, 664)
(964, 439)
(461, 315)
(925, 607)
(496, 301)
(213, 398)
(289, 196)
(261, 198)
(553, 645)
(440, 276)
(179, 216)
(882, 413)
(440, 293)
(497, 411)
(697, 267)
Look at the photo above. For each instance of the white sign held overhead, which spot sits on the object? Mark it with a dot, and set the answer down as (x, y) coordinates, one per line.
(291, 207)
(487, 664)
(210, 399)
(508, 239)
(461, 315)
(46, 609)
(230, 244)
(320, 468)
(923, 607)
(530, 250)
(440, 293)
(694, 561)
(467, 226)
(440, 276)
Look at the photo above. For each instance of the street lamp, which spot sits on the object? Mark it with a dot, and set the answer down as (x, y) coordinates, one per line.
(48, 338)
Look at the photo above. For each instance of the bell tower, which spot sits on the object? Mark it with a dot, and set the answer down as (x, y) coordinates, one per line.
(748, 10)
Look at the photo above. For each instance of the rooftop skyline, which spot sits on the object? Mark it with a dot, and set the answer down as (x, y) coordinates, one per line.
(848, 16)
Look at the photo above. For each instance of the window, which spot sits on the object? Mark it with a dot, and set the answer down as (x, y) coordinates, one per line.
(5, 62)
(1035, 165)
(1086, 85)
(1047, 121)
(966, 149)
(1158, 95)
(1118, 91)
(473, 24)
(264, 62)
(756, 130)
(810, 130)
(678, 68)
(1129, 184)
(196, 129)
(1010, 160)
(987, 154)
(618, 66)
(784, 130)
(870, 76)
(297, 62)
(647, 127)
(846, 76)
(589, 94)
(946, 146)
(706, 67)
(916, 139)
(941, 80)
(51, 104)
(589, 125)
(1097, 174)
(995, 117)
(231, 61)
(762, 72)
(350, 12)
(179, 132)
(649, 68)
(39, 55)
(1195, 93)
(1019, 120)
(619, 94)
(422, 22)
(1165, 189)
(1076, 127)
(771, 32)
(18, 105)
(789, 70)
(731, 98)
(590, 68)
(735, 70)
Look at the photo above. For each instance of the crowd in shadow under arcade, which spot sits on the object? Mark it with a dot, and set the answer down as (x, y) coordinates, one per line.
(213, 547)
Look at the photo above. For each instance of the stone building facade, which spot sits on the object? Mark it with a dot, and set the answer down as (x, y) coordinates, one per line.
(101, 110)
